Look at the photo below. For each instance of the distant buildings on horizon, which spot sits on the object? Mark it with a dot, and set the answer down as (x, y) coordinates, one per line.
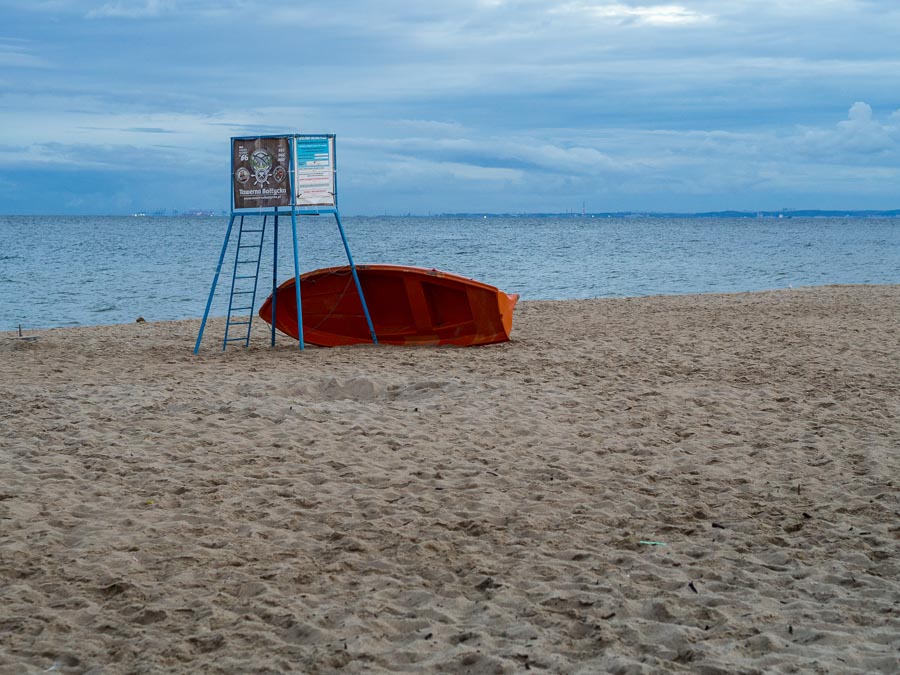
(783, 213)
(189, 212)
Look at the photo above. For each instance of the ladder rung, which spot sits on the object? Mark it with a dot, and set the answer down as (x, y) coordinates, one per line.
(242, 292)
(241, 262)
(246, 231)
(251, 246)
(238, 323)
(243, 339)
(246, 276)
(240, 309)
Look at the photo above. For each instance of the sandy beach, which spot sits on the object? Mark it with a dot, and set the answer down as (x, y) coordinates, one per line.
(697, 484)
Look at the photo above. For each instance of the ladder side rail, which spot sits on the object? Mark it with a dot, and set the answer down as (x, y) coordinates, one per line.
(215, 282)
(262, 236)
(233, 280)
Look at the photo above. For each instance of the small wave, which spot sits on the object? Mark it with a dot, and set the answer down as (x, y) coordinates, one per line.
(101, 310)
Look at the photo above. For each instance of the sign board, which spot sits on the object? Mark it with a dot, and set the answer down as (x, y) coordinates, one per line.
(314, 172)
(260, 172)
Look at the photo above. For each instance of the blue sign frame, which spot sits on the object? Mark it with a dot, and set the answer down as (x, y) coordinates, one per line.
(295, 211)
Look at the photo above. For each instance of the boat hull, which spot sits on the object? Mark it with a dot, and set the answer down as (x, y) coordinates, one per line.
(408, 306)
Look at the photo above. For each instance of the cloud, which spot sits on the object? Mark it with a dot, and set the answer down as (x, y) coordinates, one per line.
(859, 113)
(76, 156)
(652, 15)
(861, 138)
(862, 133)
(391, 169)
(19, 54)
(429, 126)
(469, 172)
(149, 130)
(132, 9)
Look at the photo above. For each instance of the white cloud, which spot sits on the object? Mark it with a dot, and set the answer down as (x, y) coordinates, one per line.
(860, 113)
(861, 138)
(504, 153)
(473, 172)
(18, 54)
(429, 126)
(132, 9)
(405, 171)
(652, 15)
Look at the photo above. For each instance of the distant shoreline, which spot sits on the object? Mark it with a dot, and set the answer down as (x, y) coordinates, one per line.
(782, 214)
(806, 213)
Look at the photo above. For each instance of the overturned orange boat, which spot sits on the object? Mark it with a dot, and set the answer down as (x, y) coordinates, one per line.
(408, 306)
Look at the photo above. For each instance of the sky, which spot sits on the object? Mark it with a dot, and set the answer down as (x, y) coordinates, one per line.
(122, 106)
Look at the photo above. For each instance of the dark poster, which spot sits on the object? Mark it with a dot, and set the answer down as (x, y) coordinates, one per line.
(260, 167)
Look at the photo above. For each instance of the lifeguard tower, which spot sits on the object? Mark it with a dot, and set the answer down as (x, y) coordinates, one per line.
(274, 177)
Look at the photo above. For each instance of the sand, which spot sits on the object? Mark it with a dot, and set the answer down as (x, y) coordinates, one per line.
(703, 484)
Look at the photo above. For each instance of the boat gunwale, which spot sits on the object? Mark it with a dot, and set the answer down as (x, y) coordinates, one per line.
(382, 267)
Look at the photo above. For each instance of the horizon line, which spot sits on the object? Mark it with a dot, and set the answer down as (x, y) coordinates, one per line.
(218, 213)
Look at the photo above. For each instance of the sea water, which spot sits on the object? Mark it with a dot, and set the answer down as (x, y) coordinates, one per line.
(87, 270)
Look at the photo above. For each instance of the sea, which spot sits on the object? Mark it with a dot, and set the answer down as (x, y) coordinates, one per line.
(60, 271)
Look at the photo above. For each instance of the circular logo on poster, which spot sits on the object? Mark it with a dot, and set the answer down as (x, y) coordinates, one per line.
(242, 175)
(279, 174)
(261, 163)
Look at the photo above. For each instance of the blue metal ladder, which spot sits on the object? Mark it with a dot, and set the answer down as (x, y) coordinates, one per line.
(243, 282)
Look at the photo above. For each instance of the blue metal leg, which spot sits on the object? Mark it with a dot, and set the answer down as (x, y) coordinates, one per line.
(356, 279)
(212, 290)
(274, 275)
(297, 280)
